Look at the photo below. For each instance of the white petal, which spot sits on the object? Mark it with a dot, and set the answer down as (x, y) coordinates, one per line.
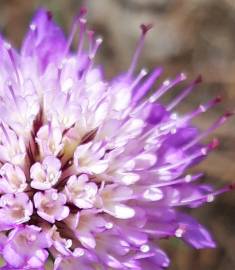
(87, 239)
(120, 211)
(153, 194)
(99, 166)
(128, 178)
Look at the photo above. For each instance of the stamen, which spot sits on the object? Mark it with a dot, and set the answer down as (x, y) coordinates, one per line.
(81, 14)
(59, 72)
(166, 85)
(141, 75)
(72, 34)
(144, 248)
(180, 231)
(49, 15)
(202, 152)
(204, 198)
(11, 56)
(82, 23)
(10, 87)
(184, 93)
(5, 132)
(82, 73)
(144, 88)
(33, 27)
(90, 35)
(109, 225)
(210, 198)
(202, 108)
(98, 42)
(49, 129)
(140, 44)
(187, 179)
(180, 121)
(231, 186)
(67, 99)
(204, 134)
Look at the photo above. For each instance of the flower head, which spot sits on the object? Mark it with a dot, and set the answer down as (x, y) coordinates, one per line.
(93, 171)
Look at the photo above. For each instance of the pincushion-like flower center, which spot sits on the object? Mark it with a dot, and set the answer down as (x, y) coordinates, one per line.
(92, 171)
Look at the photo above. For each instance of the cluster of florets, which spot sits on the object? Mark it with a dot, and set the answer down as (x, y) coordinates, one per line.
(92, 171)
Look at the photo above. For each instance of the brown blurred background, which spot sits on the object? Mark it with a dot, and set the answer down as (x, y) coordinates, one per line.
(194, 36)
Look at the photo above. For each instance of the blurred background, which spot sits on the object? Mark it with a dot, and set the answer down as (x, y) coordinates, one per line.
(193, 36)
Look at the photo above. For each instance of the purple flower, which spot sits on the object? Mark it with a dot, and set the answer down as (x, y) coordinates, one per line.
(93, 172)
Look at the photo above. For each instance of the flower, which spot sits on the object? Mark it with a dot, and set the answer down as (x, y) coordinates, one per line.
(93, 172)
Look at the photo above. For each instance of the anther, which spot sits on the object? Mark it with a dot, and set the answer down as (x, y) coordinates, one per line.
(7, 45)
(49, 15)
(68, 243)
(204, 151)
(109, 225)
(188, 178)
(144, 248)
(33, 27)
(98, 42)
(146, 27)
(232, 186)
(210, 198)
(83, 12)
(180, 231)
(214, 144)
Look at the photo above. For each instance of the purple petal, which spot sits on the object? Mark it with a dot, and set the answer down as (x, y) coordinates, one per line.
(195, 234)
(45, 40)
